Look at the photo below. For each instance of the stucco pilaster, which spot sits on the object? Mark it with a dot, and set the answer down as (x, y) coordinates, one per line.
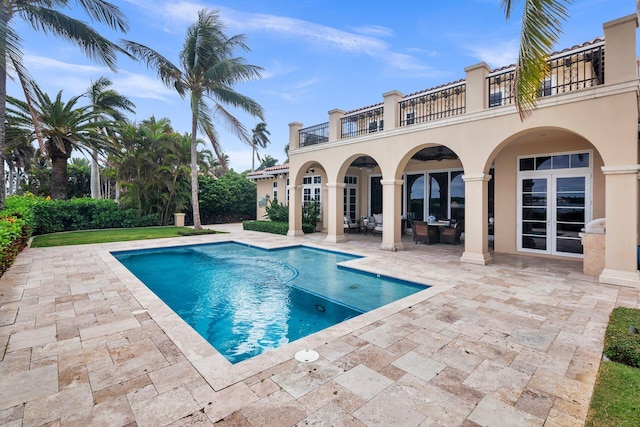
(476, 242)
(620, 45)
(294, 135)
(477, 91)
(391, 221)
(295, 211)
(621, 233)
(391, 113)
(335, 124)
(335, 212)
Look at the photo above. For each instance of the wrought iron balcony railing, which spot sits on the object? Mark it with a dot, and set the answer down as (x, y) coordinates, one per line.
(577, 69)
(314, 134)
(433, 105)
(362, 122)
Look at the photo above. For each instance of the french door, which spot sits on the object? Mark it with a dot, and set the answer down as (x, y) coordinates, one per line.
(552, 209)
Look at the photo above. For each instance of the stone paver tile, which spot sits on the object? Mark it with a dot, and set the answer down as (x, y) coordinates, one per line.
(304, 377)
(58, 405)
(529, 360)
(363, 381)
(164, 408)
(560, 419)
(121, 389)
(92, 332)
(370, 355)
(385, 335)
(419, 365)
(584, 366)
(335, 349)
(496, 380)
(539, 339)
(332, 392)
(32, 338)
(494, 412)
(112, 412)
(16, 361)
(12, 414)
(24, 386)
(196, 419)
(265, 387)
(456, 353)
(535, 402)
(278, 408)
(439, 406)
(330, 415)
(234, 420)
(56, 348)
(451, 380)
(173, 376)
(73, 377)
(228, 400)
(382, 411)
(561, 386)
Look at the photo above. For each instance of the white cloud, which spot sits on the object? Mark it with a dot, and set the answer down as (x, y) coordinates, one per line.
(496, 54)
(374, 30)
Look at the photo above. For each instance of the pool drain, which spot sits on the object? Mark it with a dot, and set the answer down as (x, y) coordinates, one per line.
(307, 356)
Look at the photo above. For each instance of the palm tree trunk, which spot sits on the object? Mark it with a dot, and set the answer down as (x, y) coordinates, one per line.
(195, 202)
(4, 22)
(59, 177)
(95, 175)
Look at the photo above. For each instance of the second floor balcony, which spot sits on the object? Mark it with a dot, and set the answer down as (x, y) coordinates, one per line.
(570, 70)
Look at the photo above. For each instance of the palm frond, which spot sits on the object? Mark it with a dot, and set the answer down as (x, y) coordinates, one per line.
(541, 27)
(93, 45)
(169, 74)
(105, 12)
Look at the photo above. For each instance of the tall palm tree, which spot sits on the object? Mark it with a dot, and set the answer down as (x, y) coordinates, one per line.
(44, 15)
(258, 138)
(541, 27)
(208, 71)
(112, 105)
(64, 127)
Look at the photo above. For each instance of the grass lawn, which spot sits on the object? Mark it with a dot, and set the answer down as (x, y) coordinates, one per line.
(616, 397)
(112, 235)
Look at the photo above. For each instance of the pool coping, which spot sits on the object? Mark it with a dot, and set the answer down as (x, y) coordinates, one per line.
(213, 366)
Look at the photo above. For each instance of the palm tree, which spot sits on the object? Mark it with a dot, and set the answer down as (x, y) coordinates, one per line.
(44, 15)
(64, 127)
(112, 105)
(208, 71)
(541, 27)
(258, 138)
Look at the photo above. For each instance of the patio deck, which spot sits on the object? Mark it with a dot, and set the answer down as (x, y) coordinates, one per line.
(513, 343)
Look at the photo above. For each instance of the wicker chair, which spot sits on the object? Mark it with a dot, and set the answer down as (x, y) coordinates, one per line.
(422, 233)
(451, 234)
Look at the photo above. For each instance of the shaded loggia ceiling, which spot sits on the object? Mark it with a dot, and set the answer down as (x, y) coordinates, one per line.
(426, 154)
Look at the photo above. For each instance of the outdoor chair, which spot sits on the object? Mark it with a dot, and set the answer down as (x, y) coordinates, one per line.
(451, 234)
(422, 233)
(350, 224)
(377, 229)
(370, 226)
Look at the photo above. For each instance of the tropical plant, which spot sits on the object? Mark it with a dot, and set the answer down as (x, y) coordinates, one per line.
(259, 138)
(208, 70)
(267, 162)
(19, 154)
(64, 127)
(541, 27)
(111, 105)
(44, 15)
(79, 178)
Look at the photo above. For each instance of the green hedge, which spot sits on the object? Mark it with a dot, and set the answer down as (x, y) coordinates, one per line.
(274, 227)
(53, 216)
(621, 344)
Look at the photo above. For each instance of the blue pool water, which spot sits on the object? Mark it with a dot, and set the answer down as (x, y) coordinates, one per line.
(245, 300)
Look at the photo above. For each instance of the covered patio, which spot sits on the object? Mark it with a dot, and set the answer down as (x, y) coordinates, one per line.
(517, 342)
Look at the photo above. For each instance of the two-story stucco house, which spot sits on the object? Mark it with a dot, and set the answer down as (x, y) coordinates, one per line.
(461, 151)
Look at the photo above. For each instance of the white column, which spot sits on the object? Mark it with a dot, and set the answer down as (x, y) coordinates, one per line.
(621, 232)
(295, 211)
(391, 221)
(476, 242)
(335, 212)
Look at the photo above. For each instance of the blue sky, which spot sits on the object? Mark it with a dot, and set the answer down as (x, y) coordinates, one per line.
(317, 56)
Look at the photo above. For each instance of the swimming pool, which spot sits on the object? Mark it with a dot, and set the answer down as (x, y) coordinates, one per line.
(245, 300)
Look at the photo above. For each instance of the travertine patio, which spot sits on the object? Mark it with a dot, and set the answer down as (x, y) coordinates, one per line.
(514, 343)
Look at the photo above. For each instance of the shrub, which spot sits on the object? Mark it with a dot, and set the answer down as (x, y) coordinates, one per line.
(274, 227)
(84, 214)
(16, 223)
(277, 211)
(621, 344)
